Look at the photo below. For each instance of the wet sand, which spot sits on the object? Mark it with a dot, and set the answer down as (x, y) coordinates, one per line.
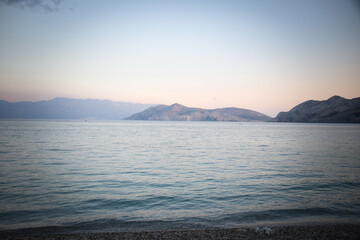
(328, 231)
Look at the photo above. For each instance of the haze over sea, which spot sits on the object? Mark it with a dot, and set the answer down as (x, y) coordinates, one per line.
(144, 175)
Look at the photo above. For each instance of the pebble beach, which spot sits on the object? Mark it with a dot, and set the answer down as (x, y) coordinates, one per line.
(329, 231)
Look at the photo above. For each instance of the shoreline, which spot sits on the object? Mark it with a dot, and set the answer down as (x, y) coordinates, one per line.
(305, 231)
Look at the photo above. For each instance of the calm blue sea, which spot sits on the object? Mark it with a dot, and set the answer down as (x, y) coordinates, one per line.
(144, 175)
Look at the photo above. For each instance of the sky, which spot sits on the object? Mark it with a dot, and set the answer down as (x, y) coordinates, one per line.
(264, 55)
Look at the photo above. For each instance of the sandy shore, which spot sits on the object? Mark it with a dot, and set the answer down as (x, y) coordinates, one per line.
(332, 231)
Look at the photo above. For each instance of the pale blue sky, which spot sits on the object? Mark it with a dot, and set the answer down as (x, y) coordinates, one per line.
(264, 55)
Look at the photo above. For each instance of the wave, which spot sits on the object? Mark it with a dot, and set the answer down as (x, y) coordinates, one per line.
(284, 216)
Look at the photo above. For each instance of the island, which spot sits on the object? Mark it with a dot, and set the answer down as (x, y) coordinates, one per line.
(334, 110)
(178, 112)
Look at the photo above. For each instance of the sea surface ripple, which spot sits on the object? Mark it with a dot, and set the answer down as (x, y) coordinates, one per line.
(144, 175)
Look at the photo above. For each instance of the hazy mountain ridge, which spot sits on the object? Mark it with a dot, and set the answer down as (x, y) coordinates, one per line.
(334, 110)
(68, 108)
(178, 112)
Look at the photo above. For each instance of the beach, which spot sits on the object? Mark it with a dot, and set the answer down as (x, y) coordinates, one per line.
(318, 231)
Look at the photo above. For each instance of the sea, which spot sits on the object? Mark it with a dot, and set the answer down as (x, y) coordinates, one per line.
(84, 176)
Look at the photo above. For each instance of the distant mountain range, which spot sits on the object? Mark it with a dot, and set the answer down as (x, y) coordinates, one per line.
(177, 112)
(334, 110)
(67, 108)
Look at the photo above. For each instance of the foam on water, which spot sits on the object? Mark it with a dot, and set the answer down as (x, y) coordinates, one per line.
(133, 175)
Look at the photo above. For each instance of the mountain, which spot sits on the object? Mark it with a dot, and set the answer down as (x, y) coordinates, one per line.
(177, 112)
(334, 110)
(68, 108)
